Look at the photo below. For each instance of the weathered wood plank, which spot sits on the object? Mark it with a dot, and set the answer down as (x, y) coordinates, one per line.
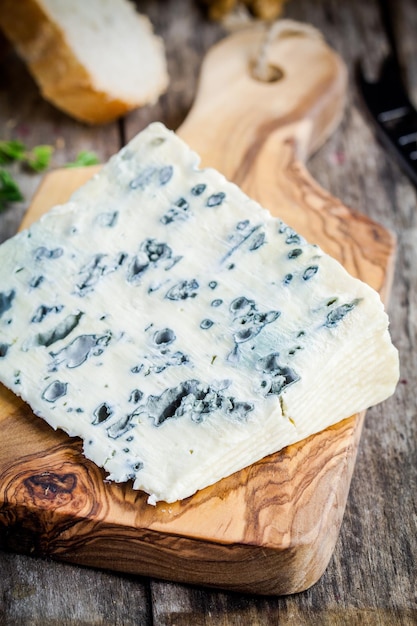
(371, 579)
(43, 593)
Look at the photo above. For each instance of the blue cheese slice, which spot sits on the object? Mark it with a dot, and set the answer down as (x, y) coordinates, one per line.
(178, 328)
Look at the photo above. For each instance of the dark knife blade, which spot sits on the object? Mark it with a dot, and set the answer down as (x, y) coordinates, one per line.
(393, 113)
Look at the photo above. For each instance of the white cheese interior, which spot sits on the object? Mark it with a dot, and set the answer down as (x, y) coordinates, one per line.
(178, 328)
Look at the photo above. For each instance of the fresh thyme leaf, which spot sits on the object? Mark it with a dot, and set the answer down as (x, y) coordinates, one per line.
(39, 157)
(9, 190)
(13, 150)
(83, 158)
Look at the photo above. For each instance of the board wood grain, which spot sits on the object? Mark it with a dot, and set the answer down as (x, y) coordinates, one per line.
(270, 528)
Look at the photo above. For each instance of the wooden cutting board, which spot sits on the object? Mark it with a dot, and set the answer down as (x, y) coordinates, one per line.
(270, 528)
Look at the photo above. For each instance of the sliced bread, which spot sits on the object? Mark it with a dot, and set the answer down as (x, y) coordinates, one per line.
(95, 60)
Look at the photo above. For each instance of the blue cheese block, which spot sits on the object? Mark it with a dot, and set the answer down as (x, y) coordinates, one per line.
(181, 330)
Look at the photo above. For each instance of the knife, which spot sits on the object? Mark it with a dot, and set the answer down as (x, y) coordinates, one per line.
(390, 107)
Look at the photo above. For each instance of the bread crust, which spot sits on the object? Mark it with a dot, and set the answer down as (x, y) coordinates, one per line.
(62, 78)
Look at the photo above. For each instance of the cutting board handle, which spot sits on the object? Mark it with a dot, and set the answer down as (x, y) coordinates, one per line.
(301, 98)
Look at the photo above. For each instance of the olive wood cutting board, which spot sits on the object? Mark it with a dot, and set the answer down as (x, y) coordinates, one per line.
(270, 528)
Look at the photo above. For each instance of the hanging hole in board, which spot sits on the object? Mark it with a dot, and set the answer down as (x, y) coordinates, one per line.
(268, 73)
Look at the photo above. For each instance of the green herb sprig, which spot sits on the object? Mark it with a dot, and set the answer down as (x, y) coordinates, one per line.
(84, 158)
(11, 151)
(9, 190)
(36, 159)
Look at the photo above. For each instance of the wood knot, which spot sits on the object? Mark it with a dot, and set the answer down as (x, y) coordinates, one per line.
(51, 487)
(55, 481)
(45, 494)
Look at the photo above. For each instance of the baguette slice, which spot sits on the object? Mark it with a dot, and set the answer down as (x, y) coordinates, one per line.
(181, 330)
(94, 59)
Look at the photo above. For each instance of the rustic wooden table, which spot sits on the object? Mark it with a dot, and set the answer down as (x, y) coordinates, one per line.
(372, 577)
